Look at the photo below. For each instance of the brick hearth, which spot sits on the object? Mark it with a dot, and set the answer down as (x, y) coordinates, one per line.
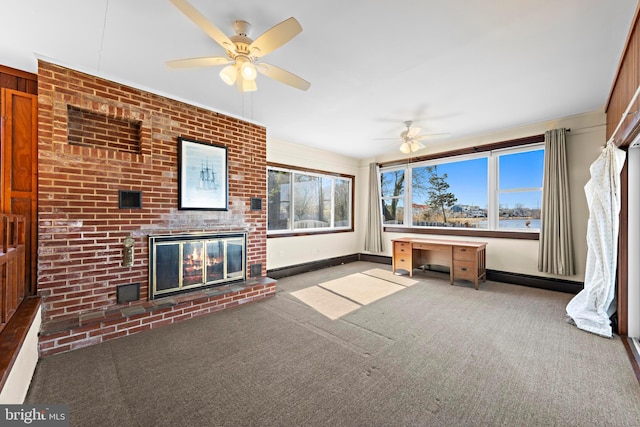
(79, 331)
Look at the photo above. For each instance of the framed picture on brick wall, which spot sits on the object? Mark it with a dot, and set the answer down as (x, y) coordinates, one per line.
(202, 175)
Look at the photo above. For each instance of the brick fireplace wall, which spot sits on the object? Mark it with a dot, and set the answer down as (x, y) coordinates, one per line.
(81, 229)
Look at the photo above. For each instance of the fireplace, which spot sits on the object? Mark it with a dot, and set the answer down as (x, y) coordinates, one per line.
(184, 262)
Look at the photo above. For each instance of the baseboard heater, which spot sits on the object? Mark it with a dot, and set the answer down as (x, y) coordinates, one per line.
(548, 283)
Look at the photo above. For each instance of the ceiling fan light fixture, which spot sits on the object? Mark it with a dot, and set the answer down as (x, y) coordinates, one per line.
(243, 52)
(247, 85)
(405, 148)
(229, 74)
(416, 145)
(248, 71)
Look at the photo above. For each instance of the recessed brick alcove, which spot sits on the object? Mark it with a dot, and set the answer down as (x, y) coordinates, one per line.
(82, 228)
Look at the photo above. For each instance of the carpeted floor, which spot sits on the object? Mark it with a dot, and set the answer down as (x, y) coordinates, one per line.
(427, 354)
(337, 297)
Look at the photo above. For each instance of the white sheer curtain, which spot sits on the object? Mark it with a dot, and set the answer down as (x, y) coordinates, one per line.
(373, 241)
(555, 254)
(591, 309)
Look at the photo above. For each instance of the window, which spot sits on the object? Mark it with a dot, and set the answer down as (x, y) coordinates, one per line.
(452, 194)
(519, 188)
(491, 190)
(392, 190)
(305, 201)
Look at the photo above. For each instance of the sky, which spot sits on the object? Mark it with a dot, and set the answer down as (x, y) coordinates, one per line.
(468, 179)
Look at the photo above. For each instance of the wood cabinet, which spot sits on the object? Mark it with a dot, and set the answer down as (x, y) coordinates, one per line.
(466, 260)
(624, 87)
(19, 159)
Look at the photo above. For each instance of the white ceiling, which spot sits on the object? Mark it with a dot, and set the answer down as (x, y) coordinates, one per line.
(467, 67)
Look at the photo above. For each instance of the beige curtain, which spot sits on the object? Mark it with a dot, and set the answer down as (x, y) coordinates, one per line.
(555, 253)
(373, 241)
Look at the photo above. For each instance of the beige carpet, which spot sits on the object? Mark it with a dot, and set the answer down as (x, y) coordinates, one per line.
(337, 297)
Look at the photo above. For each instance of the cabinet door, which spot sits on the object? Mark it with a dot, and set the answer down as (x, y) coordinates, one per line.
(19, 169)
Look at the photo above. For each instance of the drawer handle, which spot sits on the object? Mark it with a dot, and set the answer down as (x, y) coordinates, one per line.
(463, 268)
(463, 250)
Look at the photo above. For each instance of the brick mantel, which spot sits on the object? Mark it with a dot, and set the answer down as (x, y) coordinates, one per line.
(81, 229)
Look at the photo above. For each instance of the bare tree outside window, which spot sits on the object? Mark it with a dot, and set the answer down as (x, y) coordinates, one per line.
(308, 201)
(342, 202)
(278, 185)
(439, 198)
(392, 187)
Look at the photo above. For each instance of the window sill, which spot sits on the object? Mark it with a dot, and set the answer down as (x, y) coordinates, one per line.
(523, 235)
(308, 233)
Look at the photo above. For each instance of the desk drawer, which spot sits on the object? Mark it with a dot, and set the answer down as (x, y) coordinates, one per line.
(464, 254)
(465, 270)
(401, 248)
(403, 262)
(431, 247)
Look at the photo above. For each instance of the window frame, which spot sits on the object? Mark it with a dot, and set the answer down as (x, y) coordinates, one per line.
(405, 189)
(291, 232)
(508, 146)
(494, 195)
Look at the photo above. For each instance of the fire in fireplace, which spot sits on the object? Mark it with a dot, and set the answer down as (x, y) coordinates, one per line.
(183, 262)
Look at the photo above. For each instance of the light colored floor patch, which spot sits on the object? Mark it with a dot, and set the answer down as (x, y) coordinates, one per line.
(361, 288)
(390, 276)
(324, 302)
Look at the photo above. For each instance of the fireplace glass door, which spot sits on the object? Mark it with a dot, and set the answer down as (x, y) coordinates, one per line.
(184, 262)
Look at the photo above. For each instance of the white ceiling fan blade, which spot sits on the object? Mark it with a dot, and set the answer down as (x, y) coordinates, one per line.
(206, 61)
(275, 37)
(283, 76)
(413, 131)
(206, 26)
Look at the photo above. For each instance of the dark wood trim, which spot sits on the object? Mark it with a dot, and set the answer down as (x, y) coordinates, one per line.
(469, 232)
(308, 233)
(623, 88)
(623, 253)
(549, 283)
(291, 270)
(380, 259)
(534, 139)
(337, 174)
(18, 73)
(634, 22)
(634, 357)
(301, 169)
(18, 80)
(14, 334)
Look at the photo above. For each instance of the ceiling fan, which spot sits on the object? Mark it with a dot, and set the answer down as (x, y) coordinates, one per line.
(410, 138)
(241, 62)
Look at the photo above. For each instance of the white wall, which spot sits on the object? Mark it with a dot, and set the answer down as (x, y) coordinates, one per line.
(584, 142)
(289, 251)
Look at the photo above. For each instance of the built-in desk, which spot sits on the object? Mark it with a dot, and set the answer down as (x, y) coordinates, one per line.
(466, 260)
